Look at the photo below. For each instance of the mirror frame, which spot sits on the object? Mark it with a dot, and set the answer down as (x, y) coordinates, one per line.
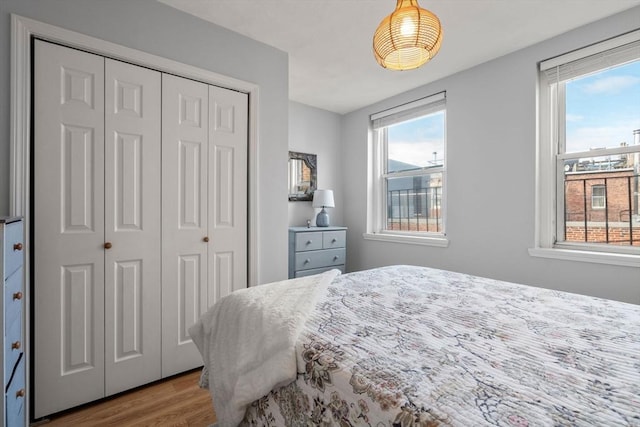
(310, 160)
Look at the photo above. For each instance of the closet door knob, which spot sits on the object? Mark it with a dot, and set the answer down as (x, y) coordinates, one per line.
(20, 393)
(17, 295)
(205, 239)
(16, 345)
(107, 245)
(17, 246)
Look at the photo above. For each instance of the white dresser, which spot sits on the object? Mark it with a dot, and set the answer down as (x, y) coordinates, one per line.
(313, 250)
(11, 271)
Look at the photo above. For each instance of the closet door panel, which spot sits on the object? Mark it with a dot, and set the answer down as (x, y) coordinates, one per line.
(228, 124)
(132, 225)
(184, 223)
(68, 228)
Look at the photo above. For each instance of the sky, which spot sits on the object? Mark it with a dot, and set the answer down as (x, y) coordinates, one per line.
(415, 141)
(602, 110)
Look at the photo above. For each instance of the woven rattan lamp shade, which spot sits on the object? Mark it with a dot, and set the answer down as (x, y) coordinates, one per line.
(407, 38)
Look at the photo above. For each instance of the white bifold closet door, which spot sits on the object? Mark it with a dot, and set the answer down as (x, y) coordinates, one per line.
(204, 182)
(96, 222)
(139, 221)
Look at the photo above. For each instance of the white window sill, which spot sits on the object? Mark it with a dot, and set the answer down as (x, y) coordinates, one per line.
(625, 260)
(412, 239)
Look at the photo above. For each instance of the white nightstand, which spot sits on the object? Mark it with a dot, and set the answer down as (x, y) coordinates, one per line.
(313, 250)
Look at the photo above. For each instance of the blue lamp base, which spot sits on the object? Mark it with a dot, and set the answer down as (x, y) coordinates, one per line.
(322, 220)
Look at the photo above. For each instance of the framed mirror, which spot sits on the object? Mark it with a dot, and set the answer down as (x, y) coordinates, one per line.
(302, 176)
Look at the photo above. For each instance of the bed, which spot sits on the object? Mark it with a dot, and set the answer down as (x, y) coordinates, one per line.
(416, 346)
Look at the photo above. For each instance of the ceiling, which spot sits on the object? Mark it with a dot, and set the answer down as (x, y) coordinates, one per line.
(329, 42)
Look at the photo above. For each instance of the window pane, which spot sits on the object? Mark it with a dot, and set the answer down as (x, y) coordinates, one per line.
(602, 198)
(414, 203)
(416, 144)
(602, 163)
(603, 109)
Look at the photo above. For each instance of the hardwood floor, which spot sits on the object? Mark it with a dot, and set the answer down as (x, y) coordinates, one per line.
(177, 401)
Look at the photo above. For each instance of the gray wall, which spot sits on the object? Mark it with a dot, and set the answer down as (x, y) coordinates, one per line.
(316, 131)
(158, 29)
(491, 143)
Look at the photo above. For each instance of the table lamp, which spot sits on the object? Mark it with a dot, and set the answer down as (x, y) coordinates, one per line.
(323, 199)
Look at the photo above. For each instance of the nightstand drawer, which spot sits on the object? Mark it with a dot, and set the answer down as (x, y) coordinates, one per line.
(304, 273)
(13, 343)
(318, 259)
(334, 239)
(15, 398)
(13, 338)
(308, 241)
(13, 248)
(13, 297)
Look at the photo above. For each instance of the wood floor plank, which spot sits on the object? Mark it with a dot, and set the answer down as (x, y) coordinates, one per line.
(176, 402)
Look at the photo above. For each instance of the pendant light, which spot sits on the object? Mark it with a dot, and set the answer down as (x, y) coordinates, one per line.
(407, 38)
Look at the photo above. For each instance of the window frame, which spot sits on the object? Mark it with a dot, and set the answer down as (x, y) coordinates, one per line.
(550, 164)
(378, 175)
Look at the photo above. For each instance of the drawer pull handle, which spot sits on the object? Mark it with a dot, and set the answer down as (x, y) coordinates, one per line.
(17, 295)
(20, 393)
(334, 240)
(309, 242)
(307, 261)
(205, 239)
(17, 246)
(16, 345)
(108, 245)
(335, 258)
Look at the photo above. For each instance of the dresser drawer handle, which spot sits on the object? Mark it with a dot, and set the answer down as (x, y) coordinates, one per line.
(307, 261)
(334, 240)
(20, 393)
(16, 345)
(17, 246)
(309, 242)
(17, 295)
(335, 258)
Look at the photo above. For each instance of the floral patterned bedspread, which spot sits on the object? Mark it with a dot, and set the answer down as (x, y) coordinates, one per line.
(413, 346)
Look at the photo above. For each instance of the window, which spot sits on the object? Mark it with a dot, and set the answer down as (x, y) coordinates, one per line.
(408, 171)
(598, 197)
(589, 147)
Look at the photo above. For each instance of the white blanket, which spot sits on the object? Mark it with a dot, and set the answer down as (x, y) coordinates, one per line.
(247, 341)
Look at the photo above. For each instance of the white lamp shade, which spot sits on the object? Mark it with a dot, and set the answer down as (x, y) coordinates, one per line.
(323, 199)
